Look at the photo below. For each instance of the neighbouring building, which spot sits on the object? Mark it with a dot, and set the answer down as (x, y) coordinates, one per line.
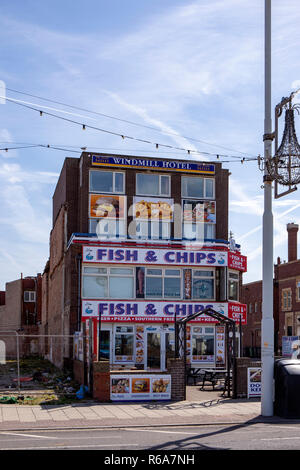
(20, 311)
(126, 252)
(286, 294)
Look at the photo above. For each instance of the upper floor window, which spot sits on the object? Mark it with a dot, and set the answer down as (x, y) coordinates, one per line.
(107, 181)
(233, 287)
(29, 296)
(203, 284)
(113, 283)
(163, 283)
(286, 299)
(197, 187)
(150, 184)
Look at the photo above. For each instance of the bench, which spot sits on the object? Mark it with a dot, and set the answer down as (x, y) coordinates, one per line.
(194, 374)
(211, 378)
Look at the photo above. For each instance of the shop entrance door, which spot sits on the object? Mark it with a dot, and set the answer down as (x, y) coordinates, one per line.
(105, 342)
(160, 347)
(153, 350)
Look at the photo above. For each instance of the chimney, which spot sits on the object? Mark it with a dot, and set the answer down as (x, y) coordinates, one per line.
(292, 230)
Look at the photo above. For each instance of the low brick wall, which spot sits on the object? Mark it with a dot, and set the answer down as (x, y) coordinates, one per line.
(242, 364)
(176, 369)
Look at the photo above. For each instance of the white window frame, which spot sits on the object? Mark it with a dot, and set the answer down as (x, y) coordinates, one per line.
(230, 271)
(211, 197)
(162, 276)
(94, 191)
(202, 332)
(31, 296)
(204, 278)
(108, 275)
(159, 184)
(149, 226)
(111, 222)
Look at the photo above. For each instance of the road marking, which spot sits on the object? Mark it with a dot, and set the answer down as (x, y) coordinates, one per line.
(165, 432)
(26, 435)
(62, 446)
(280, 438)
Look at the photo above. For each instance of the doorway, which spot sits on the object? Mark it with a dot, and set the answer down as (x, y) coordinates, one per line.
(160, 347)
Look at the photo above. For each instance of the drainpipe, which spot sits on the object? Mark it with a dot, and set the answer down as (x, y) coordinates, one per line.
(78, 259)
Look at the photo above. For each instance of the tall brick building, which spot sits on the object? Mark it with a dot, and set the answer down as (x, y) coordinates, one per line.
(286, 300)
(136, 241)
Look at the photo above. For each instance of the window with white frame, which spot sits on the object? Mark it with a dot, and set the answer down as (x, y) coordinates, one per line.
(197, 187)
(107, 181)
(29, 296)
(203, 344)
(151, 184)
(153, 229)
(200, 231)
(286, 299)
(106, 228)
(111, 283)
(124, 343)
(203, 284)
(233, 286)
(163, 283)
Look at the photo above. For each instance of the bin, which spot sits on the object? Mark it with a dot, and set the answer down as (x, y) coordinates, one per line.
(287, 388)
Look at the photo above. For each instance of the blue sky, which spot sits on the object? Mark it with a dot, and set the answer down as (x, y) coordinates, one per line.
(191, 68)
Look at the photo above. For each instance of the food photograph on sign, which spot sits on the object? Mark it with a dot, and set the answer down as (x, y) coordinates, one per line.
(141, 385)
(161, 385)
(153, 208)
(120, 385)
(199, 211)
(112, 207)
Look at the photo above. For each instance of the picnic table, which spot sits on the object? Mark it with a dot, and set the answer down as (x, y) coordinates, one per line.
(209, 376)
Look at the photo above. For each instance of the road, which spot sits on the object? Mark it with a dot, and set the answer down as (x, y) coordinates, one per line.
(186, 438)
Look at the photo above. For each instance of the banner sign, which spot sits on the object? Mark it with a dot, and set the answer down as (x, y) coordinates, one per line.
(237, 261)
(199, 211)
(140, 256)
(140, 387)
(254, 382)
(151, 312)
(111, 207)
(153, 208)
(145, 163)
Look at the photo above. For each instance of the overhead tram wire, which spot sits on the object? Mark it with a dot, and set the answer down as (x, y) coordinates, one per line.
(123, 120)
(123, 136)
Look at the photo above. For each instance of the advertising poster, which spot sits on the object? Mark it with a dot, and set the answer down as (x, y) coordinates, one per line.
(140, 344)
(140, 283)
(111, 207)
(289, 345)
(254, 382)
(199, 211)
(140, 387)
(220, 346)
(188, 284)
(153, 209)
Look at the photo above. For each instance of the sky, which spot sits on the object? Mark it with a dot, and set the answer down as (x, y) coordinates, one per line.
(190, 73)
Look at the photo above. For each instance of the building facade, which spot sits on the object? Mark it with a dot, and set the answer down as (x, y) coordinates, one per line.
(20, 311)
(286, 294)
(137, 242)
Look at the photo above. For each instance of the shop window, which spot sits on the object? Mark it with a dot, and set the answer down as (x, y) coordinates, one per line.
(197, 187)
(233, 287)
(203, 344)
(107, 181)
(112, 283)
(124, 343)
(149, 184)
(29, 296)
(163, 283)
(203, 284)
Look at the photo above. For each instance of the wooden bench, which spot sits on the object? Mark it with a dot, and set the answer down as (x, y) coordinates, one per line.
(211, 378)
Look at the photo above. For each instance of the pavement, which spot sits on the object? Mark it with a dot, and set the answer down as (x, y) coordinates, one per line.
(207, 408)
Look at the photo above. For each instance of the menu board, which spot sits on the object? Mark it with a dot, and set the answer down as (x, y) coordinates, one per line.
(140, 387)
(254, 382)
(153, 208)
(140, 344)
